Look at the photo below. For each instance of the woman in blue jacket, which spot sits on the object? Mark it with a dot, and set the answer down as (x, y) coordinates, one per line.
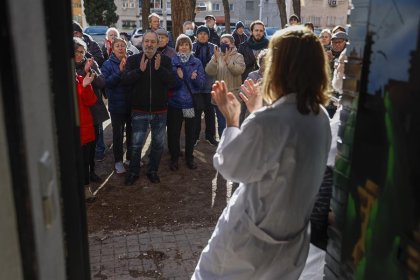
(118, 102)
(190, 77)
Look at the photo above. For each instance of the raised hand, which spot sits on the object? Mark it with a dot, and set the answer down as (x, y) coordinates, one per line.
(88, 65)
(157, 61)
(226, 57)
(250, 94)
(227, 103)
(143, 63)
(194, 75)
(87, 80)
(180, 73)
(123, 63)
(216, 52)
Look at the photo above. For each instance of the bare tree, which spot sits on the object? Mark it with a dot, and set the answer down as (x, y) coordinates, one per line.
(182, 10)
(145, 12)
(296, 7)
(282, 10)
(227, 16)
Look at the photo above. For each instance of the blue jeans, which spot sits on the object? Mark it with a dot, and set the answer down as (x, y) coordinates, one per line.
(100, 145)
(140, 123)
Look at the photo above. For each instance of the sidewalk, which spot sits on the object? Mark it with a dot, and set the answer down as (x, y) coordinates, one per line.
(149, 254)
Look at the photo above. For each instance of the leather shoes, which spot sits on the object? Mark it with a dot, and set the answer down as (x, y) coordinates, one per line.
(94, 178)
(130, 179)
(153, 177)
(174, 165)
(191, 164)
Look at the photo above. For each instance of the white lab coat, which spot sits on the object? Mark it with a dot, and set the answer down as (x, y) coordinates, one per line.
(279, 156)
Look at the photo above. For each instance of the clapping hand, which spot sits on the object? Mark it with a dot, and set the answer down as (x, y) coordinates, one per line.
(250, 94)
(227, 103)
(157, 61)
(143, 63)
(180, 73)
(123, 63)
(194, 75)
(87, 80)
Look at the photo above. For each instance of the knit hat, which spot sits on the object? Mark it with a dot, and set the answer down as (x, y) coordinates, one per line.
(203, 28)
(210, 16)
(340, 35)
(162, 31)
(239, 24)
(77, 27)
(294, 16)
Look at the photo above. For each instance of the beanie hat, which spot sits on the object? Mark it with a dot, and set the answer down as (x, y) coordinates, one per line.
(203, 28)
(77, 27)
(239, 24)
(294, 16)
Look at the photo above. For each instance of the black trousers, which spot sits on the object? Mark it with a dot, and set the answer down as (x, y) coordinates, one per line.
(121, 123)
(174, 124)
(88, 154)
(209, 118)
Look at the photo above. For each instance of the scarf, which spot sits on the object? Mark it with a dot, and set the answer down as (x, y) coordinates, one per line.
(184, 57)
(258, 45)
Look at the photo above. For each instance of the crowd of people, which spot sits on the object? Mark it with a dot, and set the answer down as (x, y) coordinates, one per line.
(164, 84)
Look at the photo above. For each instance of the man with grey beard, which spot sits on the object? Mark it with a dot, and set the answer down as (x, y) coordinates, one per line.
(149, 74)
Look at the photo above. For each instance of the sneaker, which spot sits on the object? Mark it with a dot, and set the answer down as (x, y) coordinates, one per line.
(212, 141)
(174, 165)
(196, 143)
(127, 163)
(119, 168)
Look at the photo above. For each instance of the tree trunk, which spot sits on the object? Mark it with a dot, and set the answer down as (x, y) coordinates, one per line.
(227, 16)
(145, 12)
(182, 10)
(296, 7)
(282, 10)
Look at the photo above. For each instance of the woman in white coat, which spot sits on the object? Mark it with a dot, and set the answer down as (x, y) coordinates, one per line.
(278, 155)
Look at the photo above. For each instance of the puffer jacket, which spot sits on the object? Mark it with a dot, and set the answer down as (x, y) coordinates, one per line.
(181, 97)
(117, 93)
(230, 73)
(99, 112)
(239, 39)
(85, 99)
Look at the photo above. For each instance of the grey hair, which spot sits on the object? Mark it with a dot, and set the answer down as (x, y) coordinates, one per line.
(188, 22)
(150, 31)
(112, 29)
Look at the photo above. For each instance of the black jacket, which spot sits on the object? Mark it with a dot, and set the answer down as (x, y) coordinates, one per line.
(214, 38)
(249, 57)
(93, 49)
(149, 89)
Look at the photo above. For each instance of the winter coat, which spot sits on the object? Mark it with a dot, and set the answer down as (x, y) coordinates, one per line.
(278, 156)
(239, 39)
(249, 57)
(181, 97)
(117, 93)
(214, 37)
(99, 112)
(93, 49)
(230, 73)
(149, 88)
(205, 58)
(168, 51)
(86, 98)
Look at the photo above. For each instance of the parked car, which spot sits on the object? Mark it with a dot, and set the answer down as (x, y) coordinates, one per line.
(269, 32)
(97, 32)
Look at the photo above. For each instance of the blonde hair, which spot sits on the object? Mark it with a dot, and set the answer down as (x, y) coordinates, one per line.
(295, 63)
